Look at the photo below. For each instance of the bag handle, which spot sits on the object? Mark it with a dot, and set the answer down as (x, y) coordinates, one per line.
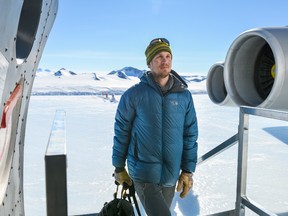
(125, 194)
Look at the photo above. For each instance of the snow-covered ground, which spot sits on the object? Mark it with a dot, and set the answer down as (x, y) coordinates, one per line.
(89, 124)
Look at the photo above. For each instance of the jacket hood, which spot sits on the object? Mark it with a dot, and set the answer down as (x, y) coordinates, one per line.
(179, 83)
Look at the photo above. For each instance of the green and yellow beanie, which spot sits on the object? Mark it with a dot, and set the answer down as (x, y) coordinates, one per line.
(153, 49)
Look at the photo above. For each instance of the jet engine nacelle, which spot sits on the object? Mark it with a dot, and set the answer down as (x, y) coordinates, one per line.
(256, 67)
(216, 87)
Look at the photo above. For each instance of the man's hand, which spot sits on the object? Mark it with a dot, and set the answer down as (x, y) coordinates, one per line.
(185, 182)
(122, 177)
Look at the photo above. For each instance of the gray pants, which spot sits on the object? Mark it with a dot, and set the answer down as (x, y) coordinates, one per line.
(155, 198)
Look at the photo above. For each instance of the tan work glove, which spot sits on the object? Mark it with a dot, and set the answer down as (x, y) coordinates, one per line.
(122, 177)
(185, 181)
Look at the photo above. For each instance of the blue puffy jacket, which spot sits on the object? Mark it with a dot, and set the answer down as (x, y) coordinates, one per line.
(156, 133)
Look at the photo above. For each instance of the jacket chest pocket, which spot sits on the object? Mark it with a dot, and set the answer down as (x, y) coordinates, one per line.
(172, 106)
(174, 113)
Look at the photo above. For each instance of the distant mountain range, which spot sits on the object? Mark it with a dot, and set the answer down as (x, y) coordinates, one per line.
(66, 82)
(128, 71)
(123, 73)
(61, 72)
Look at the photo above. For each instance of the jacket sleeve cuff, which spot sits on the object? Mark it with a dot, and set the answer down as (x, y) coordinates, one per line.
(119, 169)
(185, 171)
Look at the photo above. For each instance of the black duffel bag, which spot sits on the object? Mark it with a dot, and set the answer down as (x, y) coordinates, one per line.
(121, 206)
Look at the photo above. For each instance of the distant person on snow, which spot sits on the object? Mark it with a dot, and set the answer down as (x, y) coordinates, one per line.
(156, 132)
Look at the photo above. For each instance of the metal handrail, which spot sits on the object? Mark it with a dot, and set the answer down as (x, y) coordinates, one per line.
(242, 200)
(218, 149)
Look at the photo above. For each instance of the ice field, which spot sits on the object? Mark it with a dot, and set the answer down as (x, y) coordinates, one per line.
(89, 125)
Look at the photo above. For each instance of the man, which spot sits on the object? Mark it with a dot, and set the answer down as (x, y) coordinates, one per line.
(156, 132)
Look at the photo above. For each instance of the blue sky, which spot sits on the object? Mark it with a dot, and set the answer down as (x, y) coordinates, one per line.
(106, 35)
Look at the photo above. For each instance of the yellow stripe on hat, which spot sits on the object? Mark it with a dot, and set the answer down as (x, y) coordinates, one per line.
(153, 50)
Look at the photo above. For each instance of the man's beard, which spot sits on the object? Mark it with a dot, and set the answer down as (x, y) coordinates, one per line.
(161, 75)
(164, 75)
(164, 71)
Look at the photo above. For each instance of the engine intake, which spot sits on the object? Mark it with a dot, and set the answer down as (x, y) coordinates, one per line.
(255, 70)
